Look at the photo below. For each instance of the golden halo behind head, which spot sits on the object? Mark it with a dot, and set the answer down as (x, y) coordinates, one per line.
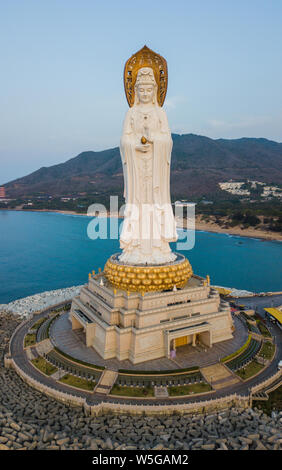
(145, 58)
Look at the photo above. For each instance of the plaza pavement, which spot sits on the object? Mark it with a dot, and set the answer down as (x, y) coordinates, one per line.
(72, 342)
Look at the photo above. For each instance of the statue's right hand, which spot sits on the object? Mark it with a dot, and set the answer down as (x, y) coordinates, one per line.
(142, 148)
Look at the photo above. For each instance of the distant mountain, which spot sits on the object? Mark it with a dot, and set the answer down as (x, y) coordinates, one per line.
(198, 164)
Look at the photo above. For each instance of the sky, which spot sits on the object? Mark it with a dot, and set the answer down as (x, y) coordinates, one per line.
(61, 76)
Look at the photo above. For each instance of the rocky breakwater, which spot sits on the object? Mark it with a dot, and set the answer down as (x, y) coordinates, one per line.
(36, 302)
(31, 420)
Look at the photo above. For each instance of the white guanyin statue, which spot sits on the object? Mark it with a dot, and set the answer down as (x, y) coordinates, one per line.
(149, 224)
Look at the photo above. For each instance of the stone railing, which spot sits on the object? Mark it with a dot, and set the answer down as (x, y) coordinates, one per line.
(52, 307)
(99, 408)
(52, 392)
(200, 406)
(267, 382)
(169, 408)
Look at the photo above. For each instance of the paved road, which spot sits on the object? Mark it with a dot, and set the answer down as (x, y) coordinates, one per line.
(259, 303)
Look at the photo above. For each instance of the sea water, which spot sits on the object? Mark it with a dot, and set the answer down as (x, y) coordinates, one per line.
(42, 251)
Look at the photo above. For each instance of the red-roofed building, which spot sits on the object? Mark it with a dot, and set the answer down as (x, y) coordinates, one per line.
(2, 192)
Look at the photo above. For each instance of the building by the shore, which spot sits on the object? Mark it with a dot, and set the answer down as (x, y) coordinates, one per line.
(2, 192)
(275, 315)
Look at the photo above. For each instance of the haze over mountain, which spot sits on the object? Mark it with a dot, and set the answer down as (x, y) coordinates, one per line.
(198, 164)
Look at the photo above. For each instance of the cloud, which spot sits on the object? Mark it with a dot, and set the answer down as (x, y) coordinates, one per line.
(244, 123)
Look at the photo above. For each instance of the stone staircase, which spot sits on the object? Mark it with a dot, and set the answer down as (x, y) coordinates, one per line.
(260, 396)
(58, 374)
(44, 347)
(106, 382)
(218, 376)
(160, 391)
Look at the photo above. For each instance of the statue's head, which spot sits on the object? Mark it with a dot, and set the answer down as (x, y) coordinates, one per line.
(150, 68)
(145, 86)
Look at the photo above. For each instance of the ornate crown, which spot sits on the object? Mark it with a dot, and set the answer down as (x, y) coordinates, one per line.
(145, 58)
(145, 75)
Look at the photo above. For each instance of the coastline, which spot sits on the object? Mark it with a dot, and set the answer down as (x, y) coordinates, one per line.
(248, 232)
(34, 303)
(199, 226)
(37, 302)
(31, 303)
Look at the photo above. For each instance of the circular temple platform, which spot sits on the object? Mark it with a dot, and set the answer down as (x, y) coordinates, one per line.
(211, 383)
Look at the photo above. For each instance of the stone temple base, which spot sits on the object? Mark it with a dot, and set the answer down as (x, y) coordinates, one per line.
(145, 278)
(143, 326)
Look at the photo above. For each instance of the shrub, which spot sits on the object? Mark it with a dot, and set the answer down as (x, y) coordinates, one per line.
(239, 351)
(30, 339)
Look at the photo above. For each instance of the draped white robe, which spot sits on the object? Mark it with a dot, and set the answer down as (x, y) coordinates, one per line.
(149, 223)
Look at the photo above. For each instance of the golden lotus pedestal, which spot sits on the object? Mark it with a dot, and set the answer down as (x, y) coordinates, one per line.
(145, 278)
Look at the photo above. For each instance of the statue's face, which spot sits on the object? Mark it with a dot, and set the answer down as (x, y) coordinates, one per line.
(145, 93)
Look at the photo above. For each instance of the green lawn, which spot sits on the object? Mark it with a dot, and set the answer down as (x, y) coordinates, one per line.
(189, 389)
(77, 382)
(30, 339)
(38, 323)
(251, 369)
(50, 323)
(273, 403)
(132, 391)
(264, 331)
(239, 351)
(267, 350)
(44, 366)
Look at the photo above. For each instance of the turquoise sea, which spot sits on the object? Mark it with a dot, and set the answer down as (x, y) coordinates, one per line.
(43, 251)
